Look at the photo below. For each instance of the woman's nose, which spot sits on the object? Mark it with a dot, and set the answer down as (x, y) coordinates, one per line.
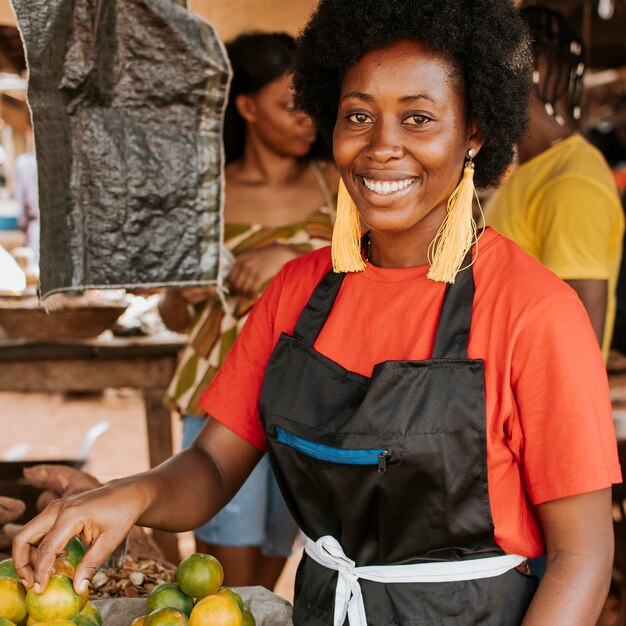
(304, 120)
(384, 143)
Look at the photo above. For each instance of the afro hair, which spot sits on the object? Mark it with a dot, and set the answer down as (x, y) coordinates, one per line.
(486, 39)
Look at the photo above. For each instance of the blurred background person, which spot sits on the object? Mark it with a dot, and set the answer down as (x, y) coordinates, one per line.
(26, 196)
(278, 204)
(561, 204)
(610, 139)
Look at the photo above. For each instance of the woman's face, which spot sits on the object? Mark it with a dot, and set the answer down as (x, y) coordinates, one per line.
(401, 136)
(270, 116)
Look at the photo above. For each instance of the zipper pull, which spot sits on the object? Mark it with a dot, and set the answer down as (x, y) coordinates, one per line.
(382, 461)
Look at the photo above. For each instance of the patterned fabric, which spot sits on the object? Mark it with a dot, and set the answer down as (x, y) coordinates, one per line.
(217, 323)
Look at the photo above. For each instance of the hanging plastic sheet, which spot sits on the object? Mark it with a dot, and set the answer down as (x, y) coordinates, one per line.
(127, 100)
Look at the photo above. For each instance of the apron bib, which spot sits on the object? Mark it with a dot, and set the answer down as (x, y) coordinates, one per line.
(389, 471)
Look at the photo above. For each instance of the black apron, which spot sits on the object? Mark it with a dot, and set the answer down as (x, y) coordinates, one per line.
(393, 467)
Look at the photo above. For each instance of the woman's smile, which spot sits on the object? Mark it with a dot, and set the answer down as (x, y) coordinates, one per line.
(387, 188)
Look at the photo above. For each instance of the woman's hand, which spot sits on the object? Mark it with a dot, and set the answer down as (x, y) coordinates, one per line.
(102, 517)
(579, 540)
(180, 494)
(174, 305)
(253, 270)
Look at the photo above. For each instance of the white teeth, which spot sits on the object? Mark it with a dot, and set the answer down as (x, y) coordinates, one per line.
(387, 186)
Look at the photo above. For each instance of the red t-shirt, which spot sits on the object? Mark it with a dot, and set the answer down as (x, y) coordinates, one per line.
(549, 423)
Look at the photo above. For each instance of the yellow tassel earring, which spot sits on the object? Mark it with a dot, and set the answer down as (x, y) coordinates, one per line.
(346, 244)
(457, 233)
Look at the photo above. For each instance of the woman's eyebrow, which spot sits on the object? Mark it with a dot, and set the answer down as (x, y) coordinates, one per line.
(357, 95)
(421, 96)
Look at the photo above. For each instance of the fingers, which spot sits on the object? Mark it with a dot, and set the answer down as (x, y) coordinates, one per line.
(97, 553)
(29, 547)
(245, 276)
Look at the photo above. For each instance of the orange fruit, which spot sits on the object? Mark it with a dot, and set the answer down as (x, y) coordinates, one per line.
(12, 599)
(7, 569)
(216, 610)
(248, 618)
(57, 622)
(199, 575)
(138, 621)
(169, 595)
(91, 612)
(166, 617)
(30, 621)
(58, 601)
(4, 621)
(75, 551)
(232, 594)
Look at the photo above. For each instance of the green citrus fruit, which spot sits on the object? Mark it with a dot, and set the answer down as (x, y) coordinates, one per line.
(138, 621)
(57, 622)
(7, 569)
(166, 617)
(4, 621)
(58, 601)
(216, 610)
(248, 618)
(169, 595)
(199, 575)
(75, 551)
(12, 599)
(91, 612)
(232, 594)
(81, 620)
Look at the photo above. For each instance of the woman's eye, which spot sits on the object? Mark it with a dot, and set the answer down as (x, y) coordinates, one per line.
(359, 118)
(416, 120)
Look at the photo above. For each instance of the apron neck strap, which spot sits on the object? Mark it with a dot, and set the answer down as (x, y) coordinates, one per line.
(317, 309)
(454, 323)
(456, 316)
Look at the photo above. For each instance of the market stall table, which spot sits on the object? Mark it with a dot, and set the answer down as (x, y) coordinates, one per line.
(143, 363)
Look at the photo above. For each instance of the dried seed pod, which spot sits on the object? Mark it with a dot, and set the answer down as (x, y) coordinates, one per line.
(100, 579)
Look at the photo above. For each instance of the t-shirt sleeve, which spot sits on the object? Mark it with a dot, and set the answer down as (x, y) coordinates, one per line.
(232, 397)
(562, 398)
(576, 219)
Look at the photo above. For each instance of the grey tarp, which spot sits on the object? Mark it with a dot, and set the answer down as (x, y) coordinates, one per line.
(127, 99)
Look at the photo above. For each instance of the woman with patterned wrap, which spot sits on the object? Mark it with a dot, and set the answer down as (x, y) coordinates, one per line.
(278, 205)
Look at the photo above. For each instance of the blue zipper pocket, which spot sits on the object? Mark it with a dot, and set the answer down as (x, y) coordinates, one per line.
(319, 451)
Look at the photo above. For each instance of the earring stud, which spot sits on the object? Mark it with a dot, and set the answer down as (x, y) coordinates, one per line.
(471, 153)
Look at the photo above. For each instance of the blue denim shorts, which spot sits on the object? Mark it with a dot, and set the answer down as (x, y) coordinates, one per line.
(256, 516)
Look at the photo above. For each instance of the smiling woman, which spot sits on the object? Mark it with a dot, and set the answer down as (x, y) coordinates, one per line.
(399, 151)
(427, 437)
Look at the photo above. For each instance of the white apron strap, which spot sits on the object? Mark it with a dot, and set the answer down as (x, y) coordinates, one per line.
(348, 599)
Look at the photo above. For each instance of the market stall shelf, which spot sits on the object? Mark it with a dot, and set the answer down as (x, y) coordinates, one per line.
(143, 363)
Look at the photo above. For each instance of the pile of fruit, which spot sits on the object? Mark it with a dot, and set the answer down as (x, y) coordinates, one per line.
(59, 604)
(197, 598)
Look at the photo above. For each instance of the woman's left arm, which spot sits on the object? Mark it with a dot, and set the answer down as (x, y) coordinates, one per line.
(578, 532)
